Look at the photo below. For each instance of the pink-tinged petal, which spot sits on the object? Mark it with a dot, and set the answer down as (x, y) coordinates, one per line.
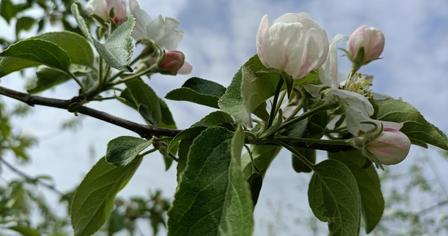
(261, 37)
(186, 69)
(392, 146)
(294, 43)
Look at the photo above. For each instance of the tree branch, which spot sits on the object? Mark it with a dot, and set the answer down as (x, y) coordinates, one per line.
(29, 178)
(145, 131)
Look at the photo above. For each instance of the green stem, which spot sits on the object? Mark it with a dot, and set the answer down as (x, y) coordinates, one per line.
(298, 155)
(311, 141)
(148, 152)
(305, 115)
(134, 76)
(274, 103)
(77, 81)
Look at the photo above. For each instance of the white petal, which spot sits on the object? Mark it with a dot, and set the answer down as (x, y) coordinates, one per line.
(357, 108)
(142, 20)
(292, 17)
(185, 69)
(329, 71)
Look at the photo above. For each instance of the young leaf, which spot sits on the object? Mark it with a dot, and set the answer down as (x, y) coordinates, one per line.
(145, 97)
(200, 91)
(81, 22)
(257, 86)
(232, 102)
(415, 126)
(123, 150)
(118, 49)
(32, 52)
(212, 197)
(372, 201)
(93, 200)
(247, 93)
(334, 197)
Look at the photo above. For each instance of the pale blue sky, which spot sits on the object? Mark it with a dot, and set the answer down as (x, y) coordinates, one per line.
(219, 37)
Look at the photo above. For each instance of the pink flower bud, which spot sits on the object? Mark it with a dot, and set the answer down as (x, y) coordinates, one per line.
(370, 39)
(173, 62)
(392, 146)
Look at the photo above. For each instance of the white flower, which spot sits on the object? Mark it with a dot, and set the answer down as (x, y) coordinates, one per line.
(164, 31)
(357, 110)
(329, 74)
(294, 43)
(104, 8)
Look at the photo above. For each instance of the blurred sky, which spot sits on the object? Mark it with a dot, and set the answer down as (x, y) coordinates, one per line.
(219, 37)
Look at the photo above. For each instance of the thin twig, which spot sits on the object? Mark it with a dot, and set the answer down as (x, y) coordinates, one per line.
(145, 131)
(30, 178)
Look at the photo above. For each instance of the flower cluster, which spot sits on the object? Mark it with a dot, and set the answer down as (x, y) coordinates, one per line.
(161, 32)
(296, 44)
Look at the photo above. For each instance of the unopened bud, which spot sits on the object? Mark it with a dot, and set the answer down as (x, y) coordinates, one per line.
(365, 44)
(173, 62)
(392, 146)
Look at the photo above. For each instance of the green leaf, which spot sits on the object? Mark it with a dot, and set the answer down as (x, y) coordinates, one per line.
(200, 91)
(257, 86)
(415, 126)
(33, 52)
(212, 197)
(77, 47)
(216, 118)
(13, 64)
(251, 86)
(298, 165)
(54, 49)
(262, 155)
(145, 98)
(23, 24)
(118, 49)
(232, 102)
(181, 144)
(24, 230)
(48, 78)
(372, 201)
(167, 120)
(7, 10)
(334, 197)
(93, 200)
(123, 150)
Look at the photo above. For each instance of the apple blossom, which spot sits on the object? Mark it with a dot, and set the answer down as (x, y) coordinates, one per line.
(365, 44)
(294, 43)
(392, 146)
(164, 31)
(104, 9)
(173, 62)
